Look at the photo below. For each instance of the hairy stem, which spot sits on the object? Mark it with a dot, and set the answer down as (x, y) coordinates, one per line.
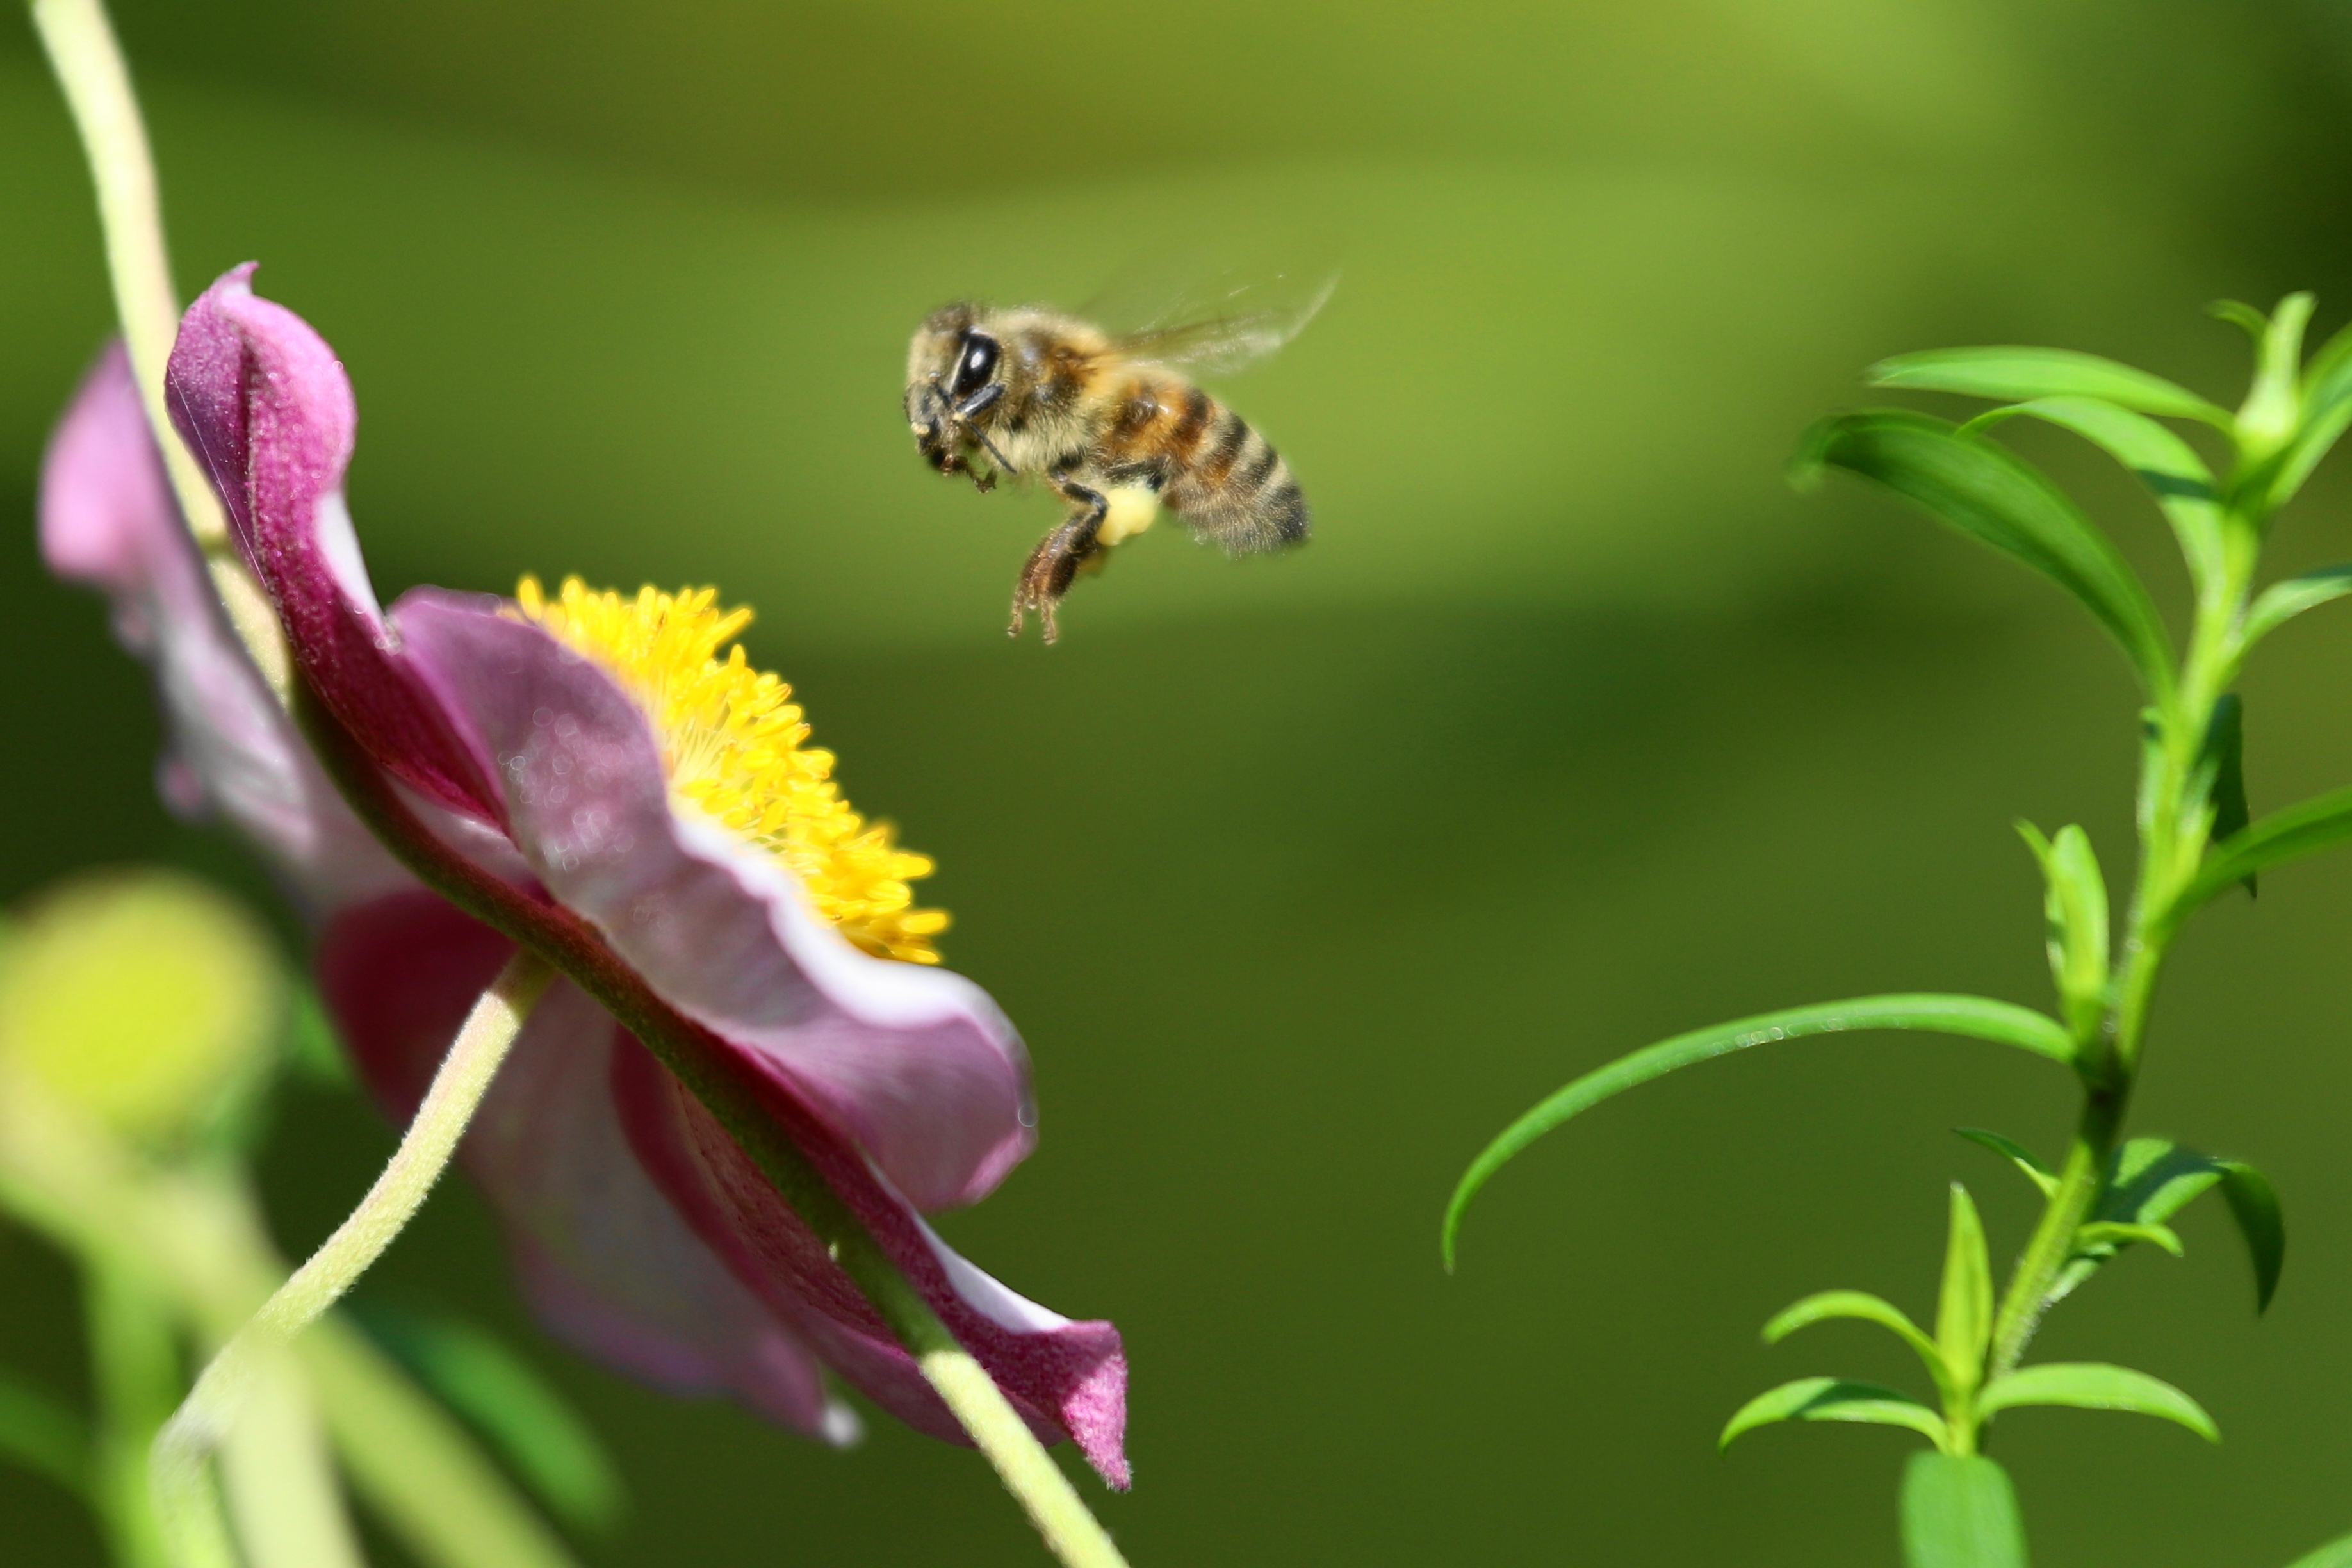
(205, 1418)
(89, 67)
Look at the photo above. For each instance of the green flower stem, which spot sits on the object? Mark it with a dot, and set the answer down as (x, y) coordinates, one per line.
(88, 64)
(135, 1368)
(571, 948)
(1072, 1532)
(277, 1478)
(2175, 827)
(90, 67)
(211, 1407)
(195, 1237)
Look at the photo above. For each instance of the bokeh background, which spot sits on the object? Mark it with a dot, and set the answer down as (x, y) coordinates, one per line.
(1573, 727)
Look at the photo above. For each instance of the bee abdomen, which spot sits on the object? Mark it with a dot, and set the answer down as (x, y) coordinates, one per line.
(1235, 487)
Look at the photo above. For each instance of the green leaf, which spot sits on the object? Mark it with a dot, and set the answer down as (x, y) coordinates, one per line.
(2255, 1204)
(44, 1436)
(551, 1451)
(1959, 1511)
(314, 1047)
(2242, 315)
(1987, 491)
(2095, 1385)
(1836, 1399)
(1964, 1307)
(2170, 468)
(2323, 427)
(2075, 910)
(2112, 1234)
(1869, 1309)
(2321, 823)
(2015, 375)
(2283, 601)
(2221, 770)
(1981, 1017)
(2017, 1153)
(2328, 374)
(2337, 1554)
(2151, 1180)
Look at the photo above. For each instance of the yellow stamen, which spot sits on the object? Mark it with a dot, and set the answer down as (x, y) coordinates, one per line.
(731, 738)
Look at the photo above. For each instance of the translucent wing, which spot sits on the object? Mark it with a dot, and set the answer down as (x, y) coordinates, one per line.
(1215, 323)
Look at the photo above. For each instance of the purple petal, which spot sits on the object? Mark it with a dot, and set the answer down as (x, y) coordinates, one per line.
(1067, 1379)
(914, 1065)
(264, 403)
(603, 1257)
(107, 519)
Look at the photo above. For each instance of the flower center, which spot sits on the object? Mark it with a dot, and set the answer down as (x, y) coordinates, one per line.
(732, 740)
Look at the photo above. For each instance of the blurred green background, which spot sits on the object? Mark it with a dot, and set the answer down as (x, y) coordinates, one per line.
(1572, 728)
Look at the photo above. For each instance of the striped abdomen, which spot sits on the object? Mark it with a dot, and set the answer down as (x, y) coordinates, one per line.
(1207, 466)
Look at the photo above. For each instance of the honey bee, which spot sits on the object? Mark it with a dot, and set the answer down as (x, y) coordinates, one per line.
(1110, 423)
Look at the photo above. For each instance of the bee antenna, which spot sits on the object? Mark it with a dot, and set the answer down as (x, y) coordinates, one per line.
(982, 437)
(946, 411)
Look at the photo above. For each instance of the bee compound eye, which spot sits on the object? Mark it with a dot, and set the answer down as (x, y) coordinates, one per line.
(974, 365)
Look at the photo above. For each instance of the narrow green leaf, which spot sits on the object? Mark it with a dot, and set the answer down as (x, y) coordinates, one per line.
(2221, 770)
(2095, 1385)
(1987, 491)
(551, 1451)
(2323, 425)
(1959, 1511)
(2283, 601)
(2075, 911)
(1869, 1309)
(2321, 823)
(2327, 374)
(1836, 1399)
(1964, 1307)
(2113, 1233)
(2337, 1554)
(314, 1047)
(2016, 1153)
(2255, 1204)
(2015, 375)
(2149, 1180)
(45, 1436)
(1980, 1017)
(2170, 468)
(2242, 315)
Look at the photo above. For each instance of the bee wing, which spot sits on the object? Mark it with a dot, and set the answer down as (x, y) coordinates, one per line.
(1219, 323)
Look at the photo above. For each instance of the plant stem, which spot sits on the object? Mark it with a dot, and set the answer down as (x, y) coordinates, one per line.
(89, 67)
(212, 1406)
(195, 1238)
(2176, 823)
(1030, 1474)
(88, 64)
(135, 1373)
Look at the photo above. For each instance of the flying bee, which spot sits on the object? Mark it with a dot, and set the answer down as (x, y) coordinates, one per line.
(1110, 423)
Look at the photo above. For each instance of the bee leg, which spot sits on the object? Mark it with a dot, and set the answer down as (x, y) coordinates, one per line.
(1055, 560)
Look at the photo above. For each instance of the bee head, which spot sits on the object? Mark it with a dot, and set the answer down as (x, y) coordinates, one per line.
(951, 369)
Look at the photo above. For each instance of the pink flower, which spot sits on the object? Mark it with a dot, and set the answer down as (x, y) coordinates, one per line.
(613, 786)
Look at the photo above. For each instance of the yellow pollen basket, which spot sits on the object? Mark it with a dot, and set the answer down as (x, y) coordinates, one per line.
(731, 739)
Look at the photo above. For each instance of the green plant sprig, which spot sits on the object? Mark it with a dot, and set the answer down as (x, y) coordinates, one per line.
(2196, 842)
